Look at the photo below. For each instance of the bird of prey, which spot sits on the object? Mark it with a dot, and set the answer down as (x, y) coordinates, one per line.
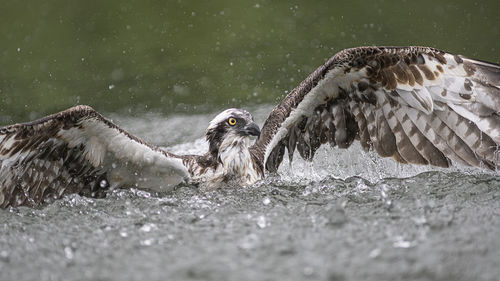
(418, 105)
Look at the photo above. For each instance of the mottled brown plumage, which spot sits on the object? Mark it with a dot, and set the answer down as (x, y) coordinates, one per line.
(47, 158)
(400, 101)
(417, 105)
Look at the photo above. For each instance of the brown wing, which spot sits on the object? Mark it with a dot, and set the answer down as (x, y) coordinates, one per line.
(418, 105)
(73, 152)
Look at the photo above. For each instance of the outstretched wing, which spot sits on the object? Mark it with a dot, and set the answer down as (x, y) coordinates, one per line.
(78, 151)
(418, 105)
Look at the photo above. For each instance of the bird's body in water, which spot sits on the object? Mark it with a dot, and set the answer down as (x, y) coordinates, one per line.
(417, 105)
(228, 159)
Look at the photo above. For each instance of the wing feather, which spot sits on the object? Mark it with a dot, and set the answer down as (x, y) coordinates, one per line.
(480, 144)
(364, 135)
(443, 138)
(385, 136)
(420, 142)
(72, 152)
(416, 104)
(404, 146)
(371, 124)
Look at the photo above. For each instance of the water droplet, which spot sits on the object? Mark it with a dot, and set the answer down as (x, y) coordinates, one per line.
(266, 201)
(261, 222)
(68, 253)
(420, 220)
(143, 194)
(4, 255)
(103, 183)
(374, 253)
(249, 242)
(401, 243)
(148, 227)
(147, 242)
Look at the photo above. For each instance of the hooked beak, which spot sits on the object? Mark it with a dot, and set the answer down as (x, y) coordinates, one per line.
(251, 129)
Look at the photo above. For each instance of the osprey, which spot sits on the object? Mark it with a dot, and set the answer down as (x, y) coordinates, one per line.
(417, 105)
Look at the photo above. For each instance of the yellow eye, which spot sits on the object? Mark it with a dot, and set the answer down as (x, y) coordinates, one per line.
(231, 121)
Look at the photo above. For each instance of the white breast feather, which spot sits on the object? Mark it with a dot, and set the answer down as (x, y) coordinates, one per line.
(236, 159)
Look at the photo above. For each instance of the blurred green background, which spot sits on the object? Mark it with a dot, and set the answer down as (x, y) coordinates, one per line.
(133, 56)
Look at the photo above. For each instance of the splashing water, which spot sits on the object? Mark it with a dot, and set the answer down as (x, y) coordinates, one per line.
(349, 215)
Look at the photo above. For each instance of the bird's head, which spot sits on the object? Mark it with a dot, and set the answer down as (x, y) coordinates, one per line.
(230, 125)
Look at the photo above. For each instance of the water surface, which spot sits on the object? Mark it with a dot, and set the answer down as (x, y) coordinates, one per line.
(347, 216)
